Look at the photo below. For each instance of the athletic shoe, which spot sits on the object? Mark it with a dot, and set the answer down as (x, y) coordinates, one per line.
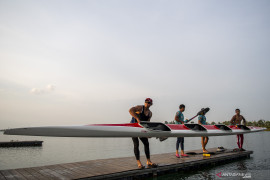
(184, 155)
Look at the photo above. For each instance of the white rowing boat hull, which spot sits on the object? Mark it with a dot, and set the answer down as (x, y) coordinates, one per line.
(145, 129)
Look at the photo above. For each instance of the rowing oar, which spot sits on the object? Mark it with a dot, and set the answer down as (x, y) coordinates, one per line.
(204, 111)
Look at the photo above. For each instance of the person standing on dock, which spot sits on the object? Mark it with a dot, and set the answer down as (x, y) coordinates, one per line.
(179, 119)
(236, 120)
(202, 121)
(142, 113)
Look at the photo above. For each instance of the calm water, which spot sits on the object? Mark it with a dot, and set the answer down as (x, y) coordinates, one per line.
(63, 150)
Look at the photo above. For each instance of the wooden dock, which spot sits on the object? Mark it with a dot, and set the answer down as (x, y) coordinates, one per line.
(20, 143)
(123, 168)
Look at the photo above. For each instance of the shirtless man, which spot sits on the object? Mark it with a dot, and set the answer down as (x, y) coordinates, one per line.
(236, 120)
(142, 113)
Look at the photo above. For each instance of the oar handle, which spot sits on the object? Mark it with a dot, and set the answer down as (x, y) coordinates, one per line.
(191, 118)
(204, 111)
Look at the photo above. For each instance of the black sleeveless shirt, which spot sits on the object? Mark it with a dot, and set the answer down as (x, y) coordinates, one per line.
(142, 117)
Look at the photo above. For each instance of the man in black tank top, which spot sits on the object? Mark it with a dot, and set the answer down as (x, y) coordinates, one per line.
(142, 113)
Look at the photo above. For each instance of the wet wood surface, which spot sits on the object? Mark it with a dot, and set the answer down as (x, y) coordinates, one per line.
(115, 168)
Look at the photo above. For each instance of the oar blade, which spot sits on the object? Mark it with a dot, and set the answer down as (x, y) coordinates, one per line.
(203, 111)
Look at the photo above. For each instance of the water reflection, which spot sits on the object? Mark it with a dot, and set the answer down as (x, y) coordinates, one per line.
(241, 165)
(63, 150)
(258, 166)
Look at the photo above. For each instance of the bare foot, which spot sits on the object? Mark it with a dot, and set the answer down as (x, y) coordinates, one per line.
(140, 166)
(205, 151)
(150, 165)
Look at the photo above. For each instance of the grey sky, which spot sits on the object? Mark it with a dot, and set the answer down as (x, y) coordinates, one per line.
(83, 62)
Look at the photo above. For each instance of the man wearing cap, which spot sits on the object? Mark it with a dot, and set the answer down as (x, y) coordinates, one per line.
(142, 113)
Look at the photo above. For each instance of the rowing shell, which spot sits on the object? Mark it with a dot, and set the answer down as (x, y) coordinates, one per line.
(144, 129)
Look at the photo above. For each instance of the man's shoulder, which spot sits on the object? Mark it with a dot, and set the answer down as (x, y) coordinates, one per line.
(138, 107)
(178, 113)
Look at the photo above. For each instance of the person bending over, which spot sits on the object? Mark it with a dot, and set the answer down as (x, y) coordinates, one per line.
(142, 113)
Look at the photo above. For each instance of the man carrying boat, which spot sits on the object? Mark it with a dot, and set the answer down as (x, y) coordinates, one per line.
(236, 120)
(179, 119)
(202, 121)
(142, 113)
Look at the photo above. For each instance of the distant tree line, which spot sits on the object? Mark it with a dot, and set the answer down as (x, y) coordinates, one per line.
(173, 122)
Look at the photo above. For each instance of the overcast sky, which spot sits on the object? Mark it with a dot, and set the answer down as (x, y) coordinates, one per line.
(83, 62)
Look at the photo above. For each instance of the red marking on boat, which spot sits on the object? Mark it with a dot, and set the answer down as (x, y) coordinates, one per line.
(177, 127)
(125, 125)
(211, 127)
(233, 127)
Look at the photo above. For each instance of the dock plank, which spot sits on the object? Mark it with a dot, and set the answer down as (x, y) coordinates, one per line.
(35, 173)
(63, 171)
(76, 168)
(93, 169)
(72, 169)
(53, 174)
(17, 175)
(8, 175)
(45, 174)
(106, 167)
(26, 174)
(2, 176)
